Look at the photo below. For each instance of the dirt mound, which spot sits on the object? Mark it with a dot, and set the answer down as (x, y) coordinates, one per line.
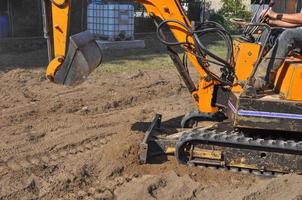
(172, 186)
(167, 186)
(82, 142)
(57, 141)
(285, 187)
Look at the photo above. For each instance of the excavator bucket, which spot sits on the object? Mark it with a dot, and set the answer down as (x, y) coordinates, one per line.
(83, 56)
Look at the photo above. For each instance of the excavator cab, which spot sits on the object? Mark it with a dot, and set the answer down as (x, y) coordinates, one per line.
(67, 66)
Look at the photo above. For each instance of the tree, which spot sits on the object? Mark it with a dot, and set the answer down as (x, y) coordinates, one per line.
(234, 8)
(231, 9)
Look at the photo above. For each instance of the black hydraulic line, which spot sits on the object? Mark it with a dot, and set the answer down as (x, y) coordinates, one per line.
(255, 15)
(182, 70)
(181, 66)
(160, 36)
(261, 3)
(202, 52)
(261, 19)
(212, 75)
(261, 54)
(221, 33)
(224, 34)
(209, 73)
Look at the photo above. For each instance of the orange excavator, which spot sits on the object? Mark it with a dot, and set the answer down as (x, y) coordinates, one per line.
(259, 134)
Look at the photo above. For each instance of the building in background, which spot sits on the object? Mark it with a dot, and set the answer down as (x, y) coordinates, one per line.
(21, 25)
(4, 19)
(25, 17)
(21, 20)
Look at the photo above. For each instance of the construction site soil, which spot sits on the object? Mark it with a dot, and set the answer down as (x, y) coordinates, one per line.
(82, 142)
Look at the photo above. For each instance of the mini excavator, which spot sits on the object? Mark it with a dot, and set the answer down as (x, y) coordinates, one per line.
(259, 134)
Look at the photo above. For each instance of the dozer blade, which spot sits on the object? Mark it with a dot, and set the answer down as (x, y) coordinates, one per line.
(220, 146)
(83, 56)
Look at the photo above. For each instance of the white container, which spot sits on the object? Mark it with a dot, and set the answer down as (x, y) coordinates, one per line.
(117, 21)
(111, 21)
(94, 18)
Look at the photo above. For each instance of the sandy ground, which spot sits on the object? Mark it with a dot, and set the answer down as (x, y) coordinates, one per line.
(82, 142)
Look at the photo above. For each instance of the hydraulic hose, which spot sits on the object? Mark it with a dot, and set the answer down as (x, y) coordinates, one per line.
(160, 37)
(199, 50)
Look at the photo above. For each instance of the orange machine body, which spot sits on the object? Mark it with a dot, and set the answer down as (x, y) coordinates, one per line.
(245, 54)
(172, 10)
(288, 81)
(60, 20)
(164, 10)
(60, 23)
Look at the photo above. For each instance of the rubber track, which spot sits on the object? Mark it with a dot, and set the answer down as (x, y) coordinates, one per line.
(236, 139)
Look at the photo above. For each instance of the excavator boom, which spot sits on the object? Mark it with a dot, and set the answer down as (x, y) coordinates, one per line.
(72, 65)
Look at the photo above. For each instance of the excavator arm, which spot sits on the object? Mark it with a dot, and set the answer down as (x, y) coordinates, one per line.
(170, 13)
(72, 65)
(56, 33)
(83, 51)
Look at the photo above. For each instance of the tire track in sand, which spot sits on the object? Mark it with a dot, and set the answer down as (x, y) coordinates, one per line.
(45, 158)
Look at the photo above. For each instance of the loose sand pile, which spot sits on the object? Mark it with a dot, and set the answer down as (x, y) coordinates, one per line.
(82, 143)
